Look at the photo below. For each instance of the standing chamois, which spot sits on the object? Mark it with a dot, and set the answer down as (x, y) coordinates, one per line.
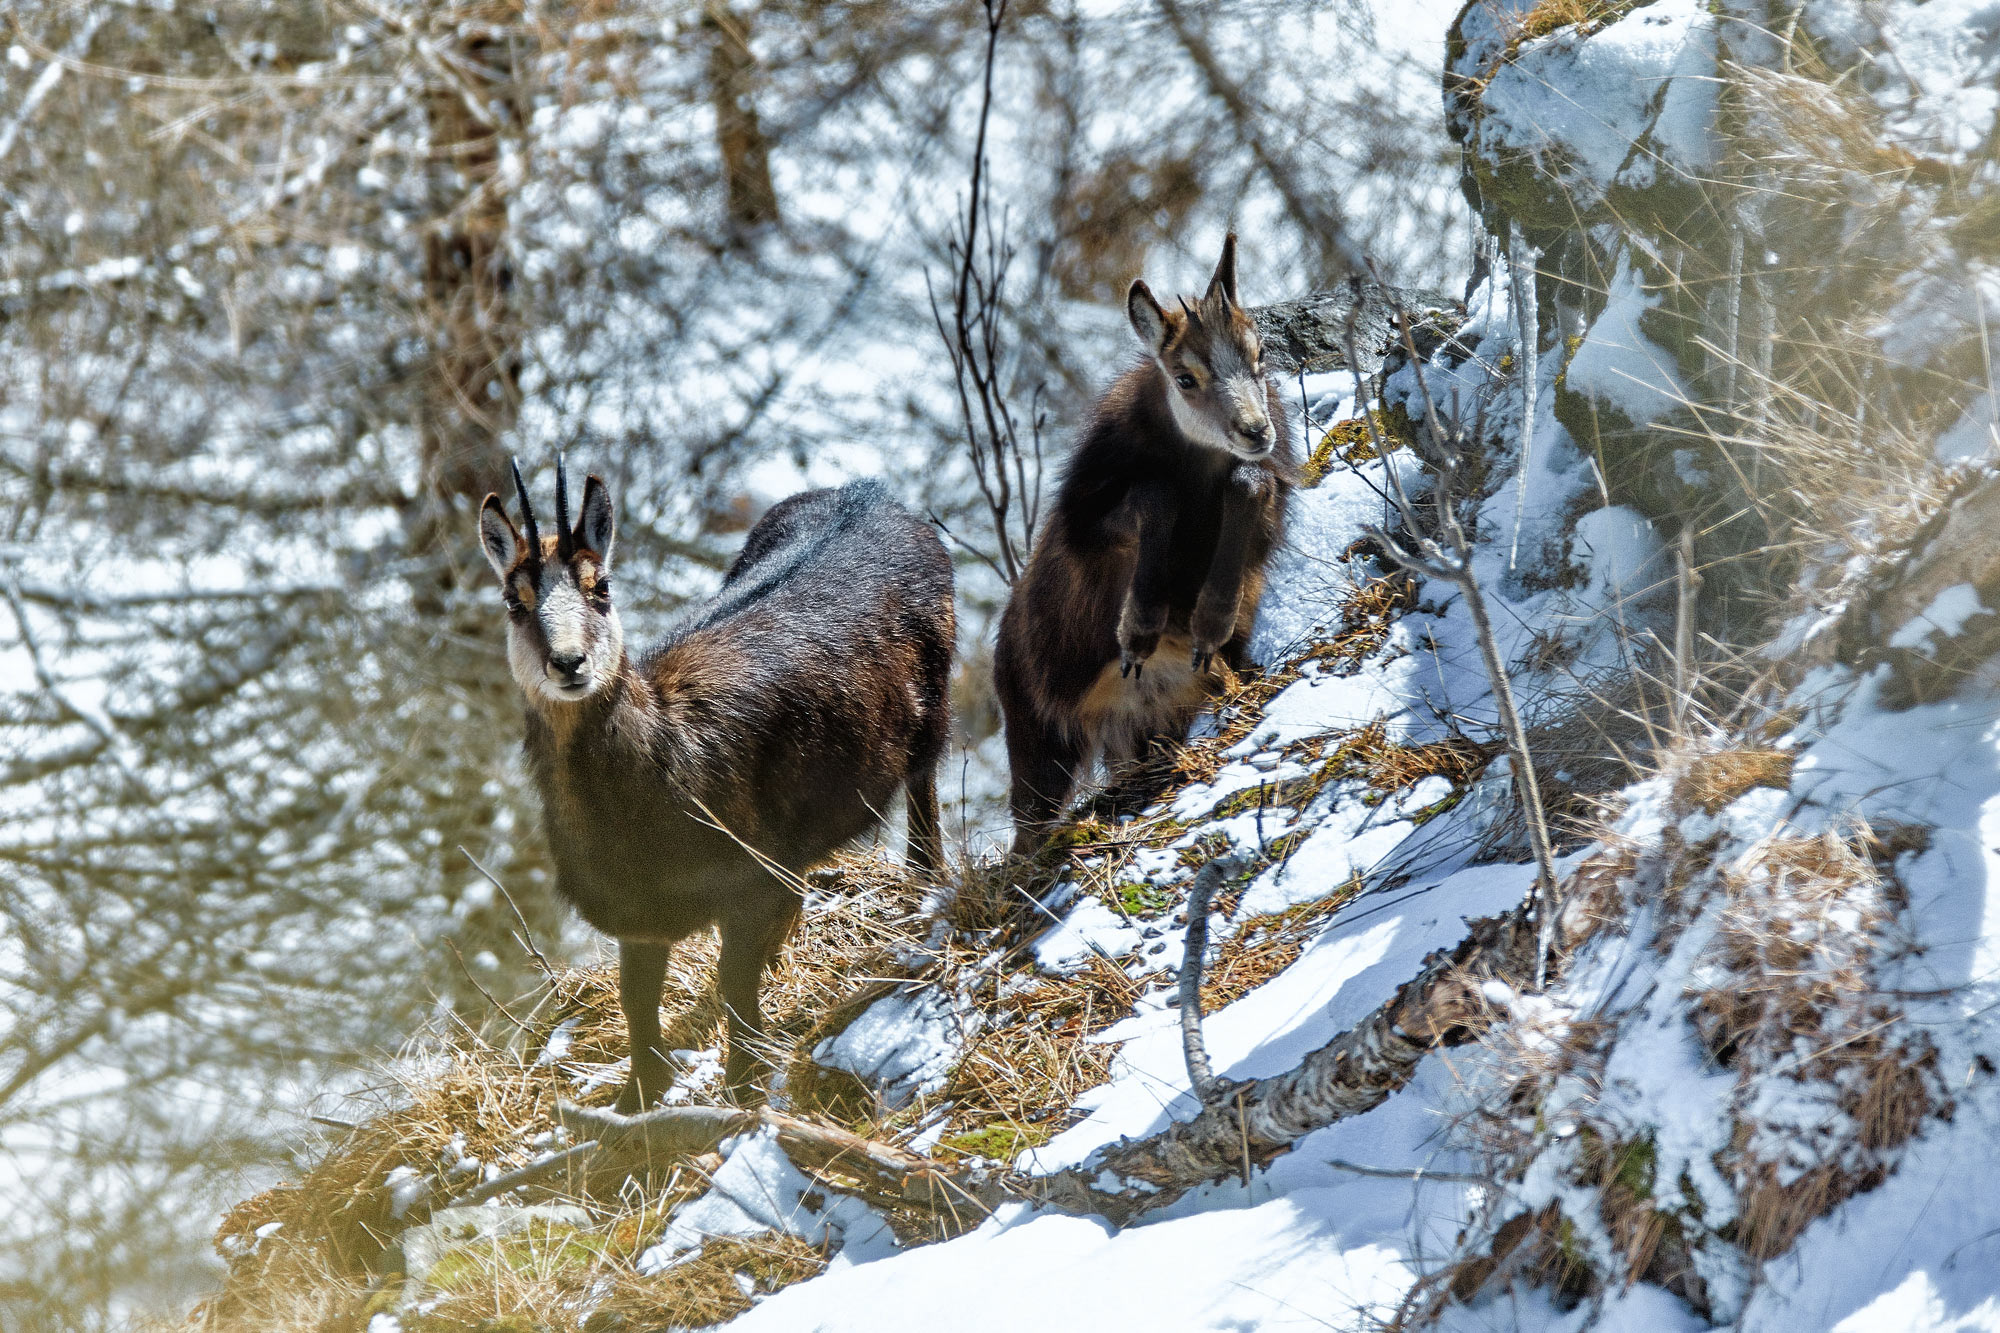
(1152, 560)
(690, 787)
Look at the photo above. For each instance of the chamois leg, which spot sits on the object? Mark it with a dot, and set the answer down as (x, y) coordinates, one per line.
(925, 852)
(642, 970)
(1044, 765)
(750, 940)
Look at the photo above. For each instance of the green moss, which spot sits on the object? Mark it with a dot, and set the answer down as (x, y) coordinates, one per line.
(1976, 231)
(384, 1301)
(999, 1142)
(1139, 898)
(542, 1248)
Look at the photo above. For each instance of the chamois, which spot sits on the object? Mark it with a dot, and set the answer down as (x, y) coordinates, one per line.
(1152, 560)
(690, 786)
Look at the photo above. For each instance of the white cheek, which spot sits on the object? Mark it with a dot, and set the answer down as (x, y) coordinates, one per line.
(524, 661)
(610, 644)
(1193, 424)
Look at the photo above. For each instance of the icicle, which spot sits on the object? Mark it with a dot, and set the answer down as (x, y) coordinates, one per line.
(1521, 259)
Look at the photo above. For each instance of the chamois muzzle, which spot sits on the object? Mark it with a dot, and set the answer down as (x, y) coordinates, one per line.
(1257, 436)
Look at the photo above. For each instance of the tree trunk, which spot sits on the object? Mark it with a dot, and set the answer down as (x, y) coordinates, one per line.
(752, 201)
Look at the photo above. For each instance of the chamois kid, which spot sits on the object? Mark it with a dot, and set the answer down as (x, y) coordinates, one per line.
(770, 726)
(1152, 560)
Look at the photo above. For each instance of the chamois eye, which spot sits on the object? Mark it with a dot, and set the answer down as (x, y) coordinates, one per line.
(515, 610)
(1186, 382)
(602, 591)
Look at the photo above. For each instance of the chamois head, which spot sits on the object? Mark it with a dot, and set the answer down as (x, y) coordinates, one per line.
(1213, 362)
(563, 638)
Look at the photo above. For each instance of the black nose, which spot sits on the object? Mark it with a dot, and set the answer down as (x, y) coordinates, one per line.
(567, 663)
(1260, 434)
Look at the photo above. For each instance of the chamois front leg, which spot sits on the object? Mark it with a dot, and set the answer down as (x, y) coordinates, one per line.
(642, 970)
(751, 938)
(1243, 499)
(1150, 509)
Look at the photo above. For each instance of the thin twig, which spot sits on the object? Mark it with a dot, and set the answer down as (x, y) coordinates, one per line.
(527, 936)
(1413, 1173)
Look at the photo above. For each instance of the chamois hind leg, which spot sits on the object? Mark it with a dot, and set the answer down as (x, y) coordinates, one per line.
(642, 970)
(1044, 763)
(925, 852)
(750, 940)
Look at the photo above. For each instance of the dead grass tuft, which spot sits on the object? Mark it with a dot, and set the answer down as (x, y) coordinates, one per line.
(1787, 996)
(1367, 612)
(1711, 781)
(565, 1286)
(1263, 946)
(485, 1097)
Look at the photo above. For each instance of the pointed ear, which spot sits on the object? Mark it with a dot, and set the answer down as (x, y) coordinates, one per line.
(497, 536)
(593, 529)
(1148, 320)
(1225, 272)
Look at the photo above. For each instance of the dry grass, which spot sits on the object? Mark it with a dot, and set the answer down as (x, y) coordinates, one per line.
(1712, 780)
(487, 1095)
(1586, 16)
(1783, 997)
(571, 1285)
(1788, 997)
(1367, 612)
(1263, 946)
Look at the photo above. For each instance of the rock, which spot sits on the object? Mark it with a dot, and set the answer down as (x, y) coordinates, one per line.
(1310, 333)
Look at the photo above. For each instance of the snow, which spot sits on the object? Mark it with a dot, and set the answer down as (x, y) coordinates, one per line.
(1371, 947)
(757, 1189)
(1945, 616)
(902, 1045)
(1032, 1270)
(1976, 436)
(1617, 107)
(1618, 365)
(1091, 930)
(1320, 525)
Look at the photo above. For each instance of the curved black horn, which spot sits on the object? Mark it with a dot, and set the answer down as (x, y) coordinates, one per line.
(565, 535)
(527, 513)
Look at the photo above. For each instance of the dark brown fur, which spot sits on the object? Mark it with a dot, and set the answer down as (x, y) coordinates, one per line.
(781, 717)
(1152, 558)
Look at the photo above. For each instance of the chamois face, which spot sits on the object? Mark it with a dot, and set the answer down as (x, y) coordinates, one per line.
(563, 637)
(1213, 363)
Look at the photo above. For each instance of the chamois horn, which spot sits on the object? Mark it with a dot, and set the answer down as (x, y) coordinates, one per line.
(527, 513)
(565, 535)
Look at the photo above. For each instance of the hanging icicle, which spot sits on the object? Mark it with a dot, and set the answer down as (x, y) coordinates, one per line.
(1521, 260)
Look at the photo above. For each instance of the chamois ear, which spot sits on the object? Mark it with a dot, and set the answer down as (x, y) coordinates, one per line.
(497, 536)
(1225, 272)
(593, 528)
(1148, 320)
